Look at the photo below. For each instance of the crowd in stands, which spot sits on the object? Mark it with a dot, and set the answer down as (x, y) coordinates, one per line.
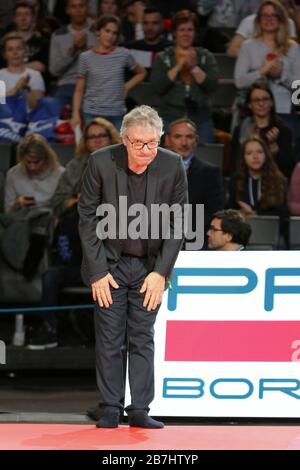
(87, 59)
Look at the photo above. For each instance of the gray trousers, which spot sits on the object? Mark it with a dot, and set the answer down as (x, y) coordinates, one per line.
(126, 314)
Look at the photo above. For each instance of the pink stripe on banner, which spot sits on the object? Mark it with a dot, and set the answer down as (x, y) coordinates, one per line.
(237, 341)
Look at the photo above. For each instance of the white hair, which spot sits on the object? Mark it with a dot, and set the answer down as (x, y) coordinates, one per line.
(143, 116)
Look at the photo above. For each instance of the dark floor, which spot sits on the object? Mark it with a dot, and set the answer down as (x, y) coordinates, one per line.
(58, 393)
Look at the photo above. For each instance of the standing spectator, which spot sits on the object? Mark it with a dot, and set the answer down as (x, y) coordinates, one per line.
(145, 50)
(262, 121)
(18, 78)
(66, 45)
(37, 47)
(100, 84)
(246, 30)
(184, 76)
(272, 56)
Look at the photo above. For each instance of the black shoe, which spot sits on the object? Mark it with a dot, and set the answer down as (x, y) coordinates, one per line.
(110, 416)
(94, 413)
(140, 419)
(41, 338)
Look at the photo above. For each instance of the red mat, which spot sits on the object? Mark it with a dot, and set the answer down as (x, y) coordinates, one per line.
(87, 437)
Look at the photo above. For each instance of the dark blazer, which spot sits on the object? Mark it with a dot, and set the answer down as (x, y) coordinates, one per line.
(205, 186)
(105, 181)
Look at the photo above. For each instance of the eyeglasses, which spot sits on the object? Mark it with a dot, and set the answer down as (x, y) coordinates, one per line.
(153, 144)
(261, 100)
(97, 136)
(271, 16)
(214, 229)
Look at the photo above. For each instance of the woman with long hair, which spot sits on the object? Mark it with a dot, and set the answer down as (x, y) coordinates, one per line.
(262, 121)
(272, 56)
(258, 187)
(184, 76)
(100, 86)
(32, 181)
(97, 134)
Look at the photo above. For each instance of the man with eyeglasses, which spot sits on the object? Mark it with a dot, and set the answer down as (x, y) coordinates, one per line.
(128, 273)
(228, 231)
(245, 31)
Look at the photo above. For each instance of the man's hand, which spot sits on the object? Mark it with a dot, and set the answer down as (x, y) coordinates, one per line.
(153, 285)
(101, 290)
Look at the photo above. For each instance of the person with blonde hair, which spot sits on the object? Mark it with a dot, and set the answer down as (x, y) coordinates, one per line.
(272, 56)
(17, 76)
(65, 272)
(33, 180)
(97, 134)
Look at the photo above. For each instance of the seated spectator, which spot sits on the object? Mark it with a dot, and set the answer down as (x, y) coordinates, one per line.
(29, 187)
(258, 187)
(246, 30)
(205, 182)
(294, 192)
(184, 76)
(66, 270)
(32, 182)
(100, 85)
(66, 45)
(228, 231)
(262, 121)
(18, 78)
(97, 134)
(145, 50)
(271, 56)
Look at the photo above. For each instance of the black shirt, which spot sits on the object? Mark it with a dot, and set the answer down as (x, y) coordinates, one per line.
(137, 184)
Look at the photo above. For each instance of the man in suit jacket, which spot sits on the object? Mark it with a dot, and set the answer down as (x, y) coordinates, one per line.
(128, 272)
(205, 181)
